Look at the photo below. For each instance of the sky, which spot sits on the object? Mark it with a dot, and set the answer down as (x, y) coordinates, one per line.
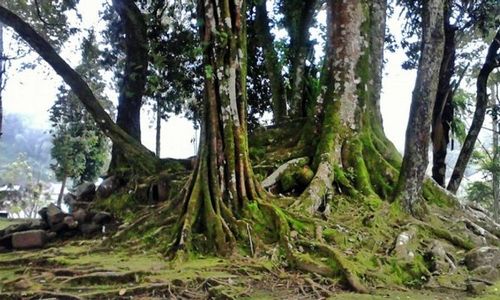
(32, 93)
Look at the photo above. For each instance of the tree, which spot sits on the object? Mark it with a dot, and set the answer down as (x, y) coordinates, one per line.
(415, 159)
(79, 147)
(2, 79)
(143, 160)
(491, 62)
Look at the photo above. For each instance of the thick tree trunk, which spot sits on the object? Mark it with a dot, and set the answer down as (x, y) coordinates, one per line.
(140, 157)
(271, 62)
(351, 140)
(415, 159)
(223, 183)
(134, 79)
(61, 191)
(495, 176)
(491, 62)
(442, 114)
(299, 17)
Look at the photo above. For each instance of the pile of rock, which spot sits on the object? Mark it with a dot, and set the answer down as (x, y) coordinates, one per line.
(484, 265)
(53, 223)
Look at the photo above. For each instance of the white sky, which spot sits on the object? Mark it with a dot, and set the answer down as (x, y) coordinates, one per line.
(33, 92)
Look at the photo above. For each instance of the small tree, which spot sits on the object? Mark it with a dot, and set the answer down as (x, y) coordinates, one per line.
(80, 149)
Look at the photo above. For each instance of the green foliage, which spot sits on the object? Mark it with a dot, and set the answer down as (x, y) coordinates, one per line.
(480, 192)
(80, 149)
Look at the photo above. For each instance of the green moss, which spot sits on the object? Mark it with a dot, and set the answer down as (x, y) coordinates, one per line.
(121, 205)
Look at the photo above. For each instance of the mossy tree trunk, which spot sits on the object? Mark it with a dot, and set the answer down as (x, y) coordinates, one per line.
(141, 158)
(415, 160)
(353, 155)
(492, 61)
(223, 183)
(271, 62)
(442, 115)
(133, 83)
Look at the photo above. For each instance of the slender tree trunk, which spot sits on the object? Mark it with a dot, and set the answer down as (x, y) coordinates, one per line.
(271, 62)
(442, 115)
(495, 177)
(158, 128)
(140, 157)
(491, 62)
(2, 74)
(299, 17)
(134, 79)
(415, 160)
(61, 192)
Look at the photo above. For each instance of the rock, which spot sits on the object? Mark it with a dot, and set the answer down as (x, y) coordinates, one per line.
(89, 228)
(476, 287)
(101, 218)
(54, 215)
(17, 228)
(488, 273)
(69, 199)
(439, 260)
(85, 192)
(71, 222)
(402, 245)
(107, 187)
(43, 214)
(483, 256)
(39, 224)
(29, 239)
(6, 241)
(81, 215)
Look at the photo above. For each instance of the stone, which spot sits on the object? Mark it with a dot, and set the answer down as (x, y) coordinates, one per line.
(107, 187)
(81, 215)
(476, 287)
(101, 218)
(89, 228)
(71, 222)
(54, 215)
(439, 261)
(69, 199)
(6, 241)
(29, 239)
(487, 273)
(483, 256)
(402, 249)
(85, 192)
(39, 224)
(17, 228)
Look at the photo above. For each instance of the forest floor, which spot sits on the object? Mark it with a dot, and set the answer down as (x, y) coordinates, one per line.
(84, 269)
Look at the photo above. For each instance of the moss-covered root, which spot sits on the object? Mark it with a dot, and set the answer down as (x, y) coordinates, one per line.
(447, 235)
(342, 263)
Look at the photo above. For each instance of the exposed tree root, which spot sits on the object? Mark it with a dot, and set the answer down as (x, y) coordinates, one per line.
(447, 235)
(105, 277)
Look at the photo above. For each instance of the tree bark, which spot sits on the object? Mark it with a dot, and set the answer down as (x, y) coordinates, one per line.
(495, 176)
(61, 192)
(442, 114)
(134, 80)
(415, 159)
(2, 79)
(353, 153)
(298, 18)
(223, 183)
(158, 128)
(491, 62)
(271, 62)
(140, 157)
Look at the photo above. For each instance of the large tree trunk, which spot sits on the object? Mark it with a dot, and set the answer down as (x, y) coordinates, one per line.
(271, 62)
(415, 159)
(442, 114)
(352, 141)
(134, 79)
(158, 128)
(491, 62)
(223, 183)
(140, 157)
